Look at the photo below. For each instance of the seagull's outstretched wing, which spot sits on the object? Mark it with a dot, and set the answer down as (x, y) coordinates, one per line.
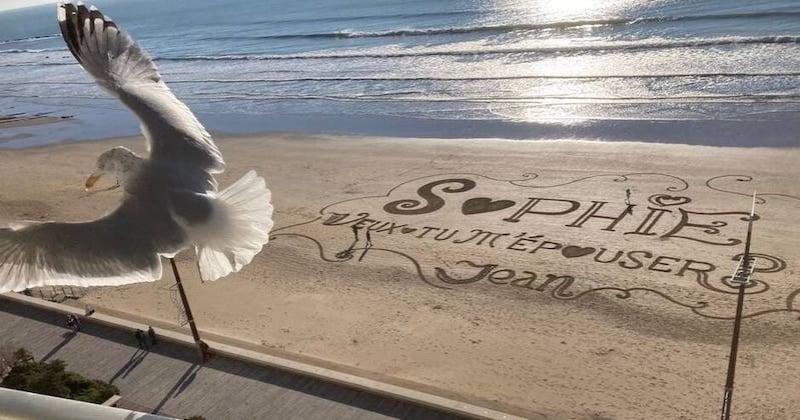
(121, 66)
(106, 252)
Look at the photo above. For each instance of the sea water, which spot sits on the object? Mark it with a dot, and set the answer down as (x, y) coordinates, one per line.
(715, 72)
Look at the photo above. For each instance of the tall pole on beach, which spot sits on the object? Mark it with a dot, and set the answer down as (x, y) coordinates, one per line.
(742, 277)
(185, 302)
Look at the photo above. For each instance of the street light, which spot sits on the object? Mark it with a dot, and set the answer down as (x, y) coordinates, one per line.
(201, 346)
(741, 277)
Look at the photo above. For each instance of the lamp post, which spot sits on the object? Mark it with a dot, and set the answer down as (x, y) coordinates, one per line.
(188, 310)
(741, 276)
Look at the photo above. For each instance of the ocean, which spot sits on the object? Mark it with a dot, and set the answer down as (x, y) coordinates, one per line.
(711, 72)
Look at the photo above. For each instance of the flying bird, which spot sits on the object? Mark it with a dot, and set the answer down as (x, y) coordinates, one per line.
(170, 200)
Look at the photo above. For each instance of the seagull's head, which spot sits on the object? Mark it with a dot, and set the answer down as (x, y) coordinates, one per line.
(119, 161)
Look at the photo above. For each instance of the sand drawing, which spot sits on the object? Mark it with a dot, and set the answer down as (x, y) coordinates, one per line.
(544, 238)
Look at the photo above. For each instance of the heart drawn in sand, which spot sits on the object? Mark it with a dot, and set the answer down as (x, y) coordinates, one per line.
(484, 205)
(576, 251)
(666, 200)
(407, 230)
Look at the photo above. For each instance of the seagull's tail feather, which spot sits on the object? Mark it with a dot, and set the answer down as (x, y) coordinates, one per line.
(243, 219)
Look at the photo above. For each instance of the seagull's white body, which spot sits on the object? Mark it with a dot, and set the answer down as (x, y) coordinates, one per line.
(170, 200)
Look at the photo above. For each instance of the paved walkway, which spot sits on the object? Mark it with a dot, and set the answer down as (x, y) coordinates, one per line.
(169, 381)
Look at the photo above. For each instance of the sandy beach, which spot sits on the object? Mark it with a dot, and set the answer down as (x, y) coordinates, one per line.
(509, 273)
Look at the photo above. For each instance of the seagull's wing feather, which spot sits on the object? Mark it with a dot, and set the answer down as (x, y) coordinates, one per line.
(122, 67)
(109, 251)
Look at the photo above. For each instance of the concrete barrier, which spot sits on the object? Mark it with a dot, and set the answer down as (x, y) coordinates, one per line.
(112, 401)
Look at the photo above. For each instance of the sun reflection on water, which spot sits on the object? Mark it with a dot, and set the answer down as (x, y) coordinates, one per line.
(557, 10)
(560, 8)
(566, 101)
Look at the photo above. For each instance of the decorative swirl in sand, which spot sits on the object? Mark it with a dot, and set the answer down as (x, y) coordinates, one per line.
(627, 293)
(683, 185)
(713, 183)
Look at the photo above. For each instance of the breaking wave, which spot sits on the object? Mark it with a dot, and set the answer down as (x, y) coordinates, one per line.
(603, 46)
(488, 29)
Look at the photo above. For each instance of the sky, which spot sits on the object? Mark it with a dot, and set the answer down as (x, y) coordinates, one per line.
(15, 4)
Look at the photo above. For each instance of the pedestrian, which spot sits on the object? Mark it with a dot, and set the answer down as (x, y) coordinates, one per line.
(141, 340)
(628, 196)
(152, 333)
(76, 322)
(73, 323)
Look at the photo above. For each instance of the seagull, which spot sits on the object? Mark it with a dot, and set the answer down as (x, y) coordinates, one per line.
(170, 200)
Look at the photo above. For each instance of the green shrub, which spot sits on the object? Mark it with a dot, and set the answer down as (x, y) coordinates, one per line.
(51, 378)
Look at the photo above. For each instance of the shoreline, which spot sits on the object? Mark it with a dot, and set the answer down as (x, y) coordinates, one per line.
(519, 326)
(11, 121)
(297, 136)
(79, 124)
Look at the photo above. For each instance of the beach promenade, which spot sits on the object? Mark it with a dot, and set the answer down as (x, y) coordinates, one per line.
(168, 379)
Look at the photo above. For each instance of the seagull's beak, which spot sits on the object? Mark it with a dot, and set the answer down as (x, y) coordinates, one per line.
(92, 180)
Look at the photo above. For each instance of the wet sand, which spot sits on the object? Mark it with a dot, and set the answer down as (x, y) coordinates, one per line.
(24, 120)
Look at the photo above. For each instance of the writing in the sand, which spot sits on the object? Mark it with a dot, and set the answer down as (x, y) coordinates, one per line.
(561, 237)
(501, 276)
(565, 238)
(705, 227)
(524, 243)
(559, 285)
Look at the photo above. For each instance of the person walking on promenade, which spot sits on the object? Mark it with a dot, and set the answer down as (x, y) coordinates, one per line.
(73, 323)
(70, 323)
(152, 334)
(627, 196)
